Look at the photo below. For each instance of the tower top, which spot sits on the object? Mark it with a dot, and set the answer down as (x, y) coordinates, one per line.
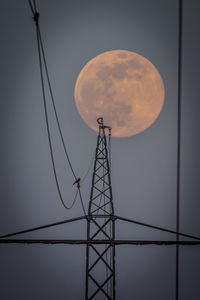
(102, 126)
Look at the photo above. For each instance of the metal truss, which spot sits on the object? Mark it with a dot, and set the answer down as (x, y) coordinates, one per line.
(101, 240)
(100, 258)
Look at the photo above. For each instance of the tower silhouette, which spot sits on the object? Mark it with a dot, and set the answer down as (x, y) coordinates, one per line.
(101, 241)
(100, 259)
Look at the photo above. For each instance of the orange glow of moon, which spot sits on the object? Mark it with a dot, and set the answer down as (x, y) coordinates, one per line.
(124, 88)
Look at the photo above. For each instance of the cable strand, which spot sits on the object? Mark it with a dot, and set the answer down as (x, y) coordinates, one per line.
(81, 199)
(54, 106)
(42, 60)
(31, 7)
(178, 143)
(46, 118)
(34, 4)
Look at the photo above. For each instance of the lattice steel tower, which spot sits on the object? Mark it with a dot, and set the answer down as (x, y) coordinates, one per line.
(100, 258)
(101, 241)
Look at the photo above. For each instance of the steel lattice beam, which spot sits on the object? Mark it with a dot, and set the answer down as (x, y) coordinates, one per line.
(100, 257)
(98, 242)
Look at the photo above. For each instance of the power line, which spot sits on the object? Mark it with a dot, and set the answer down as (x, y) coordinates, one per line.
(74, 201)
(41, 54)
(34, 4)
(54, 107)
(31, 7)
(110, 229)
(81, 199)
(109, 147)
(180, 12)
(46, 113)
(89, 169)
(36, 19)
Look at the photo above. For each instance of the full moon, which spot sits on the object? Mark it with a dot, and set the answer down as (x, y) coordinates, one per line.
(124, 88)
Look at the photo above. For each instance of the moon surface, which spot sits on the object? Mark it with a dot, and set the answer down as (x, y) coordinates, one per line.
(124, 88)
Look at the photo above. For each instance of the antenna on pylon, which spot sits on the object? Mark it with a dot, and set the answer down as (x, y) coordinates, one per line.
(101, 124)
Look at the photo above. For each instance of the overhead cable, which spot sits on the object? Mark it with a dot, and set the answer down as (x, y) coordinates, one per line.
(180, 14)
(42, 60)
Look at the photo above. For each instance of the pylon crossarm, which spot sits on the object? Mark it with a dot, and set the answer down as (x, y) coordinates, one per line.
(43, 227)
(156, 227)
(98, 242)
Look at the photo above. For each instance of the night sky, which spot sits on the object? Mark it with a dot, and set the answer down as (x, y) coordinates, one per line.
(143, 166)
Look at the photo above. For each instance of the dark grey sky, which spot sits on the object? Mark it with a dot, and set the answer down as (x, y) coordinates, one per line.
(143, 166)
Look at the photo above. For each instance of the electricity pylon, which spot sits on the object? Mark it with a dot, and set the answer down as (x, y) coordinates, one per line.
(100, 259)
(101, 240)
